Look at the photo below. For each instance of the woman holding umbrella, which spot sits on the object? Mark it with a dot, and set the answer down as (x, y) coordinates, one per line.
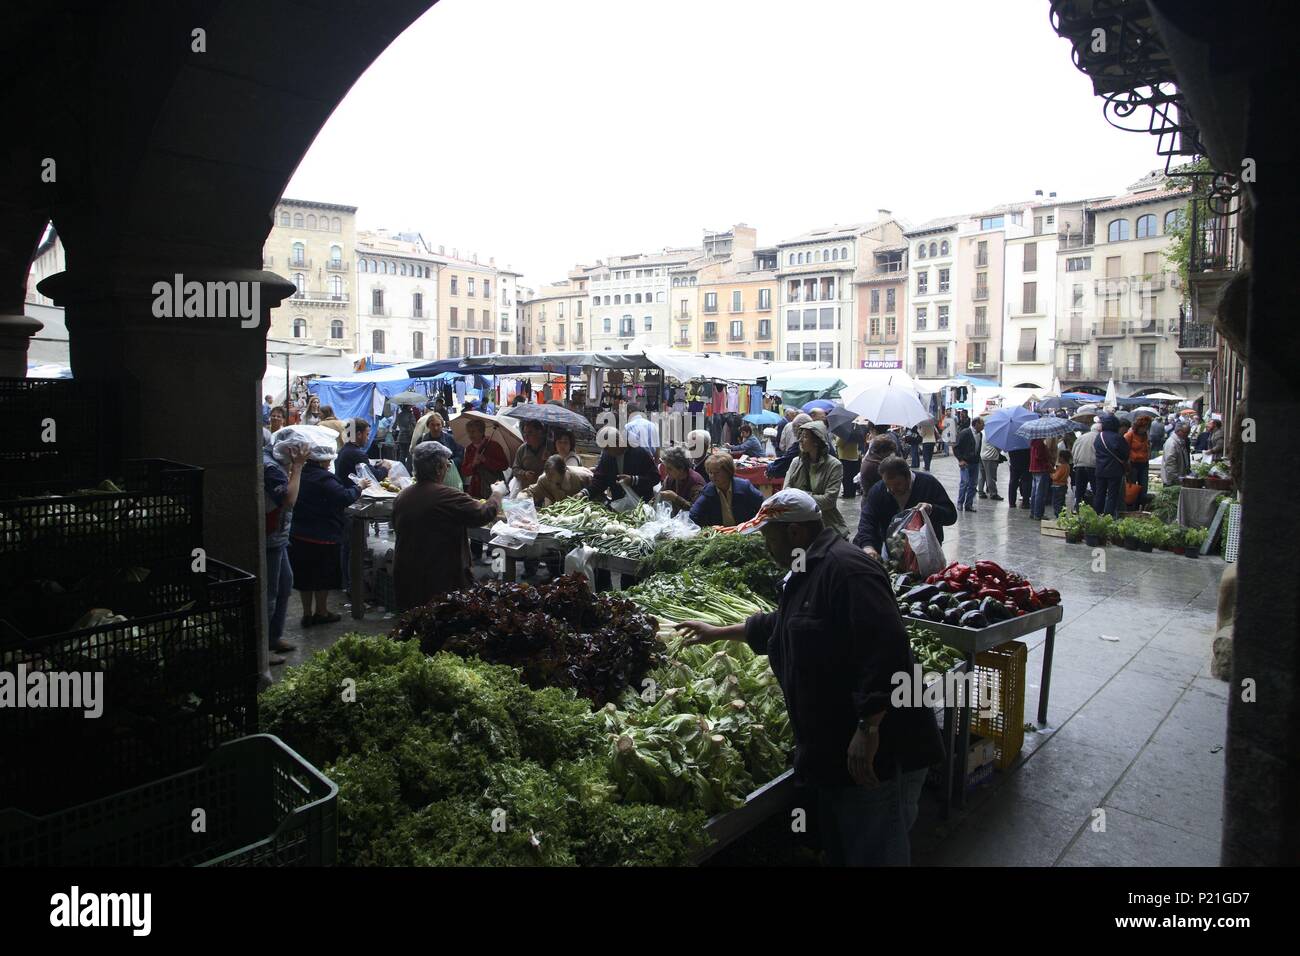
(484, 462)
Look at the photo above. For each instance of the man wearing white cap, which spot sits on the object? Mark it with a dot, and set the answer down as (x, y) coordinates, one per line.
(835, 643)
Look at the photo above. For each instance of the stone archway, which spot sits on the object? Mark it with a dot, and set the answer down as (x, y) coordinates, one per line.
(158, 138)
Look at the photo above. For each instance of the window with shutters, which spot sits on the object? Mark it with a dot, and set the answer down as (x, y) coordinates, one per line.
(1031, 257)
(1029, 302)
(875, 300)
(1028, 351)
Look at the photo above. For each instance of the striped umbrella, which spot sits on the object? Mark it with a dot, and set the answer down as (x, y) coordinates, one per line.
(1047, 427)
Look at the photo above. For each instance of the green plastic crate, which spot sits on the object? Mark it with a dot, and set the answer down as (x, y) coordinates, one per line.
(263, 805)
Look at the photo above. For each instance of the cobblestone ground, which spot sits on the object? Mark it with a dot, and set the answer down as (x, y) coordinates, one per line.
(1136, 723)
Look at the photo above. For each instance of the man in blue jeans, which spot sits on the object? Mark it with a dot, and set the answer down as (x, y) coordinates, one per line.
(967, 452)
(281, 494)
(839, 649)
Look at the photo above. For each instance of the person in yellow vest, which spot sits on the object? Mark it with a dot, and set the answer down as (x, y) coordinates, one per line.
(848, 449)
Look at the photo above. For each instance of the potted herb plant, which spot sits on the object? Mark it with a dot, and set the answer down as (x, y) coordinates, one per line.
(1069, 523)
(1148, 536)
(1193, 538)
(1126, 531)
(1090, 524)
(1174, 538)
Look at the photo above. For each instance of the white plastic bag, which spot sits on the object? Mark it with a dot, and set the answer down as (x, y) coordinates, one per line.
(321, 443)
(398, 471)
(665, 526)
(522, 513)
(629, 501)
(922, 552)
(363, 473)
(580, 560)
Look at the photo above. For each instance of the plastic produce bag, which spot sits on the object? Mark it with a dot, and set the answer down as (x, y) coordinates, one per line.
(363, 473)
(522, 513)
(452, 479)
(399, 471)
(665, 526)
(580, 560)
(321, 443)
(912, 542)
(629, 501)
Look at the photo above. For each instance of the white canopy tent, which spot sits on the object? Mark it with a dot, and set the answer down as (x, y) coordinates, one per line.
(687, 366)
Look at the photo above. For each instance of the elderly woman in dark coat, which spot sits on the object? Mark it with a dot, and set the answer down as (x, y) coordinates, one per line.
(431, 519)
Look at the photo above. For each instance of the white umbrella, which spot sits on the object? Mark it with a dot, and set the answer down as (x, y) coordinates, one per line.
(1112, 397)
(1056, 386)
(889, 405)
(1162, 397)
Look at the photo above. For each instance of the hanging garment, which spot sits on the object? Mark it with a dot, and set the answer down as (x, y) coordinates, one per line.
(733, 398)
(755, 399)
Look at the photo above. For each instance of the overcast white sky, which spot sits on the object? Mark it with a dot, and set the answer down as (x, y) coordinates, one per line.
(549, 132)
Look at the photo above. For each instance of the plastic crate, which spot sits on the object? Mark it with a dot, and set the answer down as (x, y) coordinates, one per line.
(263, 805)
(175, 684)
(80, 414)
(1003, 670)
(158, 518)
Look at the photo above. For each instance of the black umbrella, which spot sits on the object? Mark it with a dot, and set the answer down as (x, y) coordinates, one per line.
(1053, 403)
(555, 416)
(839, 421)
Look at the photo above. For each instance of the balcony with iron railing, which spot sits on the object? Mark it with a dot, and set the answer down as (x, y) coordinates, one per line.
(980, 293)
(1073, 240)
(1194, 335)
(1026, 355)
(764, 332)
(987, 367)
(1148, 282)
(889, 268)
(1157, 374)
(1145, 327)
(977, 331)
(382, 310)
(683, 316)
(299, 262)
(626, 332)
(1079, 372)
(336, 265)
(709, 335)
(881, 337)
(315, 295)
(1108, 328)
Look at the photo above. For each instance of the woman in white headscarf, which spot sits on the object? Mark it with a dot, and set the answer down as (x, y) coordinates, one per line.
(790, 437)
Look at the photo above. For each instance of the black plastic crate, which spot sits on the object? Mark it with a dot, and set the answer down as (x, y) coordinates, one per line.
(53, 532)
(263, 805)
(81, 413)
(175, 683)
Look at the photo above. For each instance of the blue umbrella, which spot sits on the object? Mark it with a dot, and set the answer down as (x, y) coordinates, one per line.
(556, 416)
(824, 404)
(1000, 428)
(763, 418)
(1047, 427)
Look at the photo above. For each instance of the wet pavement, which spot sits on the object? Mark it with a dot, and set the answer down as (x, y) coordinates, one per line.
(1136, 724)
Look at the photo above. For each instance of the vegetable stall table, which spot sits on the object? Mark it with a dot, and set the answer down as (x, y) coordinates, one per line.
(972, 641)
(618, 567)
(757, 476)
(366, 508)
(543, 546)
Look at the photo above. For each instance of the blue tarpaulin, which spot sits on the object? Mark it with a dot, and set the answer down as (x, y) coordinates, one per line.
(353, 396)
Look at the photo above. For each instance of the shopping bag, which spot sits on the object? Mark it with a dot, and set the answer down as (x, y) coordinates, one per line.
(1131, 492)
(580, 561)
(911, 541)
(452, 479)
(628, 502)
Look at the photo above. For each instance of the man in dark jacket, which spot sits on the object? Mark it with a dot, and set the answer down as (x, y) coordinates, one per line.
(1018, 463)
(900, 487)
(617, 462)
(840, 652)
(1112, 466)
(967, 453)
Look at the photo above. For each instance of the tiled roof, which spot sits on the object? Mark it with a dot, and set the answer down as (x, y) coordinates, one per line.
(935, 225)
(1140, 198)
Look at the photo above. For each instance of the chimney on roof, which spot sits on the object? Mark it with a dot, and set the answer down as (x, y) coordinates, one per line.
(492, 261)
(455, 253)
(442, 250)
(882, 213)
(1038, 192)
(1051, 195)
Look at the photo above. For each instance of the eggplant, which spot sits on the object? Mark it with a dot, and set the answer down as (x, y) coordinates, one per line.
(904, 581)
(922, 593)
(934, 612)
(952, 616)
(994, 610)
(915, 608)
(974, 619)
(967, 606)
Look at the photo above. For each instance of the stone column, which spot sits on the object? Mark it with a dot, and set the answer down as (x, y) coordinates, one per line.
(188, 388)
(16, 333)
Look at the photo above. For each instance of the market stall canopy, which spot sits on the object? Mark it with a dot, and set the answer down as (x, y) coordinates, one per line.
(796, 388)
(1112, 397)
(1159, 397)
(1083, 396)
(689, 366)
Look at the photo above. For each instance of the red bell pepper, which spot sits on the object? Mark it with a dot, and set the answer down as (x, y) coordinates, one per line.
(986, 568)
(1048, 597)
(1023, 597)
(998, 594)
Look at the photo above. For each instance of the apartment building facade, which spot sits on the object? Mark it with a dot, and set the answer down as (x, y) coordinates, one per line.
(629, 299)
(735, 295)
(312, 245)
(1125, 305)
(881, 291)
(1033, 292)
(557, 318)
(469, 320)
(816, 272)
(397, 296)
(934, 290)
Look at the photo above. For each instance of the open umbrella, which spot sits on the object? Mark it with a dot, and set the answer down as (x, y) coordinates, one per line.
(1090, 409)
(408, 398)
(763, 418)
(1112, 396)
(504, 431)
(840, 421)
(1046, 428)
(824, 404)
(1054, 402)
(1084, 418)
(554, 416)
(1162, 397)
(1190, 412)
(1000, 428)
(1145, 410)
(889, 405)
